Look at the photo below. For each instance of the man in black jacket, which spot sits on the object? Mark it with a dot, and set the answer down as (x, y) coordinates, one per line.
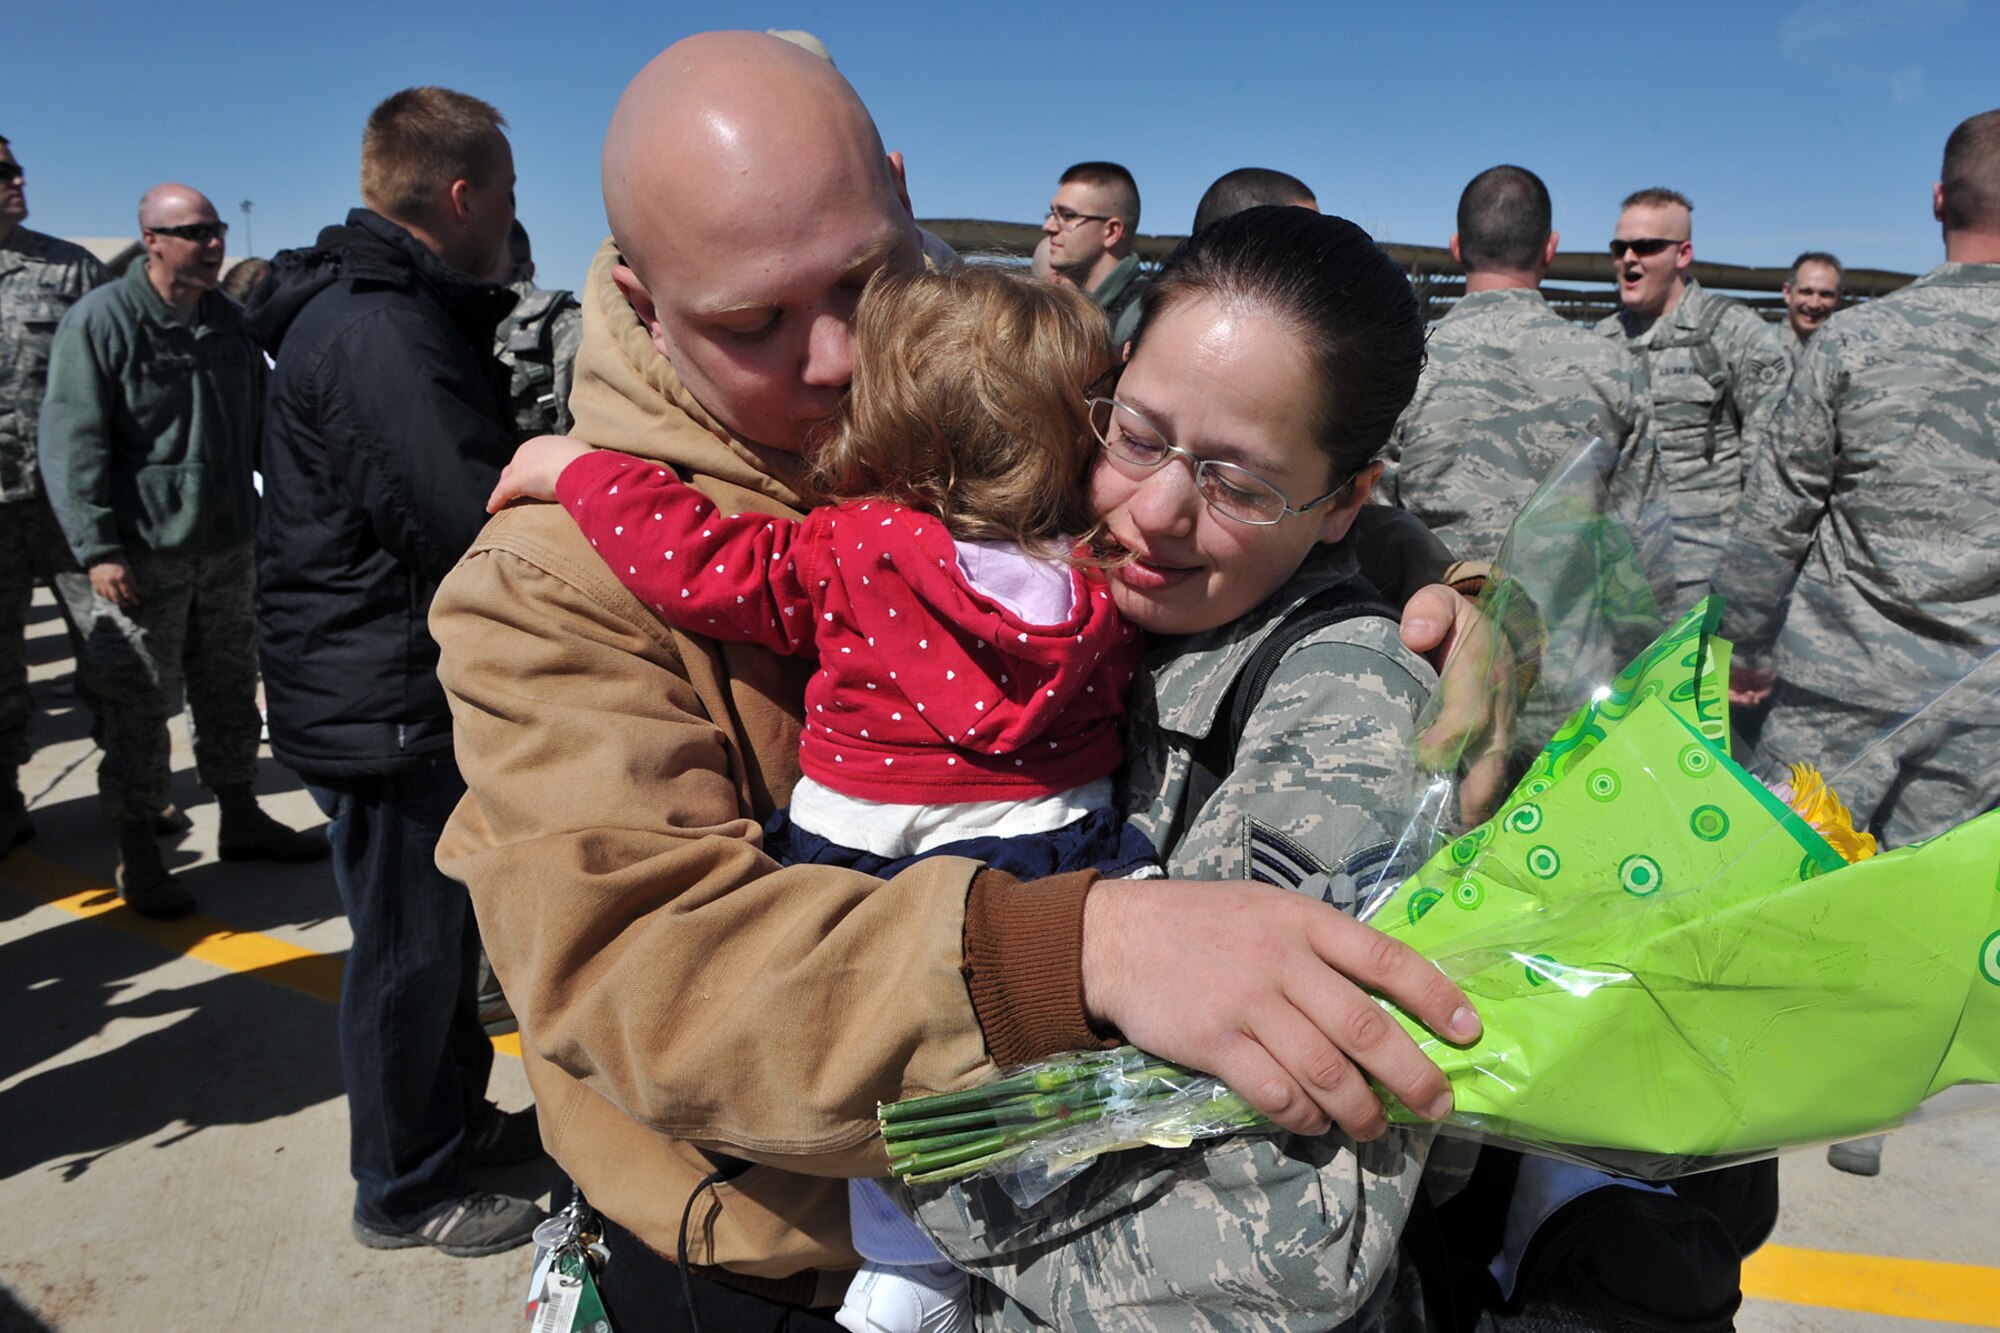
(387, 425)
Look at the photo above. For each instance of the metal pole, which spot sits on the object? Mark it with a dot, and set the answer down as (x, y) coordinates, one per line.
(249, 243)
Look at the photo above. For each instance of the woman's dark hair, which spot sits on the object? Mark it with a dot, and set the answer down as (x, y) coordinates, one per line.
(1349, 303)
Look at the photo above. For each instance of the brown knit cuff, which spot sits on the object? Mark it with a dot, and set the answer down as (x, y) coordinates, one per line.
(1024, 965)
(1467, 578)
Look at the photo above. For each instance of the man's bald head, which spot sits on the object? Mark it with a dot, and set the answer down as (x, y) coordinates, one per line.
(170, 204)
(750, 199)
(183, 242)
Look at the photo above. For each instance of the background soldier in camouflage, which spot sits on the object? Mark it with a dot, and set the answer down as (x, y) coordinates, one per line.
(1511, 387)
(1878, 513)
(1274, 1233)
(537, 342)
(40, 279)
(1812, 294)
(1714, 373)
(149, 432)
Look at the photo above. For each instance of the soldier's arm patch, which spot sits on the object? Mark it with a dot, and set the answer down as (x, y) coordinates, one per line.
(1273, 857)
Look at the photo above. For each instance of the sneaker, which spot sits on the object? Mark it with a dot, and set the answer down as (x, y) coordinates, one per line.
(471, 1228)
(923, 1298)
(1858, 1157)
(498, 1138)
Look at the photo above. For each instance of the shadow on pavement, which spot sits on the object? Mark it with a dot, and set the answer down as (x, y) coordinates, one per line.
(233, 1048)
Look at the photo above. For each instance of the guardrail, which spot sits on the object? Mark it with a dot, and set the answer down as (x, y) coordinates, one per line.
(1440, 282)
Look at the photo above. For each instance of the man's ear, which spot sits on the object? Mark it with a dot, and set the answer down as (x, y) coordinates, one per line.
(1456, 257)
(1549, 250)
(902, 182)
(642, 304)
(457, 200)
(1114, 232)
(1684, 257)
(1339, 517)
(1937, 201)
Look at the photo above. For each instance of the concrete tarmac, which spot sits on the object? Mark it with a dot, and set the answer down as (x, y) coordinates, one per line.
(173, 1133)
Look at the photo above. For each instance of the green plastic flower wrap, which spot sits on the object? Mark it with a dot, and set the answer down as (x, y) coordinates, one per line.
(1673, 969)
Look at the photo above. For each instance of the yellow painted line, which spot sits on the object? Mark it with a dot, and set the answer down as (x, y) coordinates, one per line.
(1869, 1284)
(203, 938)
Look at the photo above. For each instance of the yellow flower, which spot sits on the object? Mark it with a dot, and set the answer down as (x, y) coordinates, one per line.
(1817, 805)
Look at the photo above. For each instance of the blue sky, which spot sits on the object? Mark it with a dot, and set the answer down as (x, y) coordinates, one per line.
(1814, 124)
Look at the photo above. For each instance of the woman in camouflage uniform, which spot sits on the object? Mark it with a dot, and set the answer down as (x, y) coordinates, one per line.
(1276, 351)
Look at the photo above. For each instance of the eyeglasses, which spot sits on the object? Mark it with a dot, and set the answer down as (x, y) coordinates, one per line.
(1234, 492)
(11, 171)
(1067, 218)
(1645, 249)
(200, 232)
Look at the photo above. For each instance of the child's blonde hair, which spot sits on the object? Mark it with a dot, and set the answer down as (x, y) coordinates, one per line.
(967, 402)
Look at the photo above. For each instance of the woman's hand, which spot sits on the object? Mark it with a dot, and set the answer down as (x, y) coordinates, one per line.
(1264, 989)
(532, 473)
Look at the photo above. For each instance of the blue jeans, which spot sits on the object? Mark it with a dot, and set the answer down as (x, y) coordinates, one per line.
(415, 1056)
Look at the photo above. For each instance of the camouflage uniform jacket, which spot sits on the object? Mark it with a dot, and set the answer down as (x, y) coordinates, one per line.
(40, 279)
(1510, 389)
(1878, 509)
(537, 342)
(1710, 398)
(1274, 1233)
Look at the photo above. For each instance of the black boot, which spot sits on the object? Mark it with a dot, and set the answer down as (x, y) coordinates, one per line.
(15, 826)
(248, 834)
(144, 881)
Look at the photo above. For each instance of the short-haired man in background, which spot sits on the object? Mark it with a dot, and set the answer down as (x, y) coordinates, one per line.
(388, 426)
(1250, 187)
(1812, 294)
(1091, 225)
(1714, 374)
(41, 277)
(1511, 386)
(1863, 578)
(149, 436)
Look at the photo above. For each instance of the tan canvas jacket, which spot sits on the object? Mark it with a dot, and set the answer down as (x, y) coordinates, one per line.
(681, 996)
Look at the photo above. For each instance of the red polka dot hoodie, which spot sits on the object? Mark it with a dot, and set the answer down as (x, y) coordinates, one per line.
(929, 691)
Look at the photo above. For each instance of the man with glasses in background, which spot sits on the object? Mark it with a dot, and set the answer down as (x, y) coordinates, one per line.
(1090, 225)
(149, 434)
(40, 279)
(1714, 375)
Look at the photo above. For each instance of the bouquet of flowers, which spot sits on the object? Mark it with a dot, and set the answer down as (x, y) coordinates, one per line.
(1675, 965)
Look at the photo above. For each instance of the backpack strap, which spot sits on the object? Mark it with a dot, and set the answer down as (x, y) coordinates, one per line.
(1215, 755)
(1709, 362)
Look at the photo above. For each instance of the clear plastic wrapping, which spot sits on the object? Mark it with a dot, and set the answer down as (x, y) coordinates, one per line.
(1675, 969)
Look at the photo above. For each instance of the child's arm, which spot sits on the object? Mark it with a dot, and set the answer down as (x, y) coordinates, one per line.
(531, 474)
(727, 576)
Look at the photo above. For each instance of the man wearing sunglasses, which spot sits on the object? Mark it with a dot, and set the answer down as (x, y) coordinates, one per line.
(1090, 225)
(149, 435)
(1714, 374)
(41, 277)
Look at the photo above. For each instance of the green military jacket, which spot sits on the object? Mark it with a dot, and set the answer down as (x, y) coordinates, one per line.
(149, 429)
(1714, 374)
(1509, 390)
(1274, 1233)
(1878, 509)
(1119, 297)
(40, 279)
